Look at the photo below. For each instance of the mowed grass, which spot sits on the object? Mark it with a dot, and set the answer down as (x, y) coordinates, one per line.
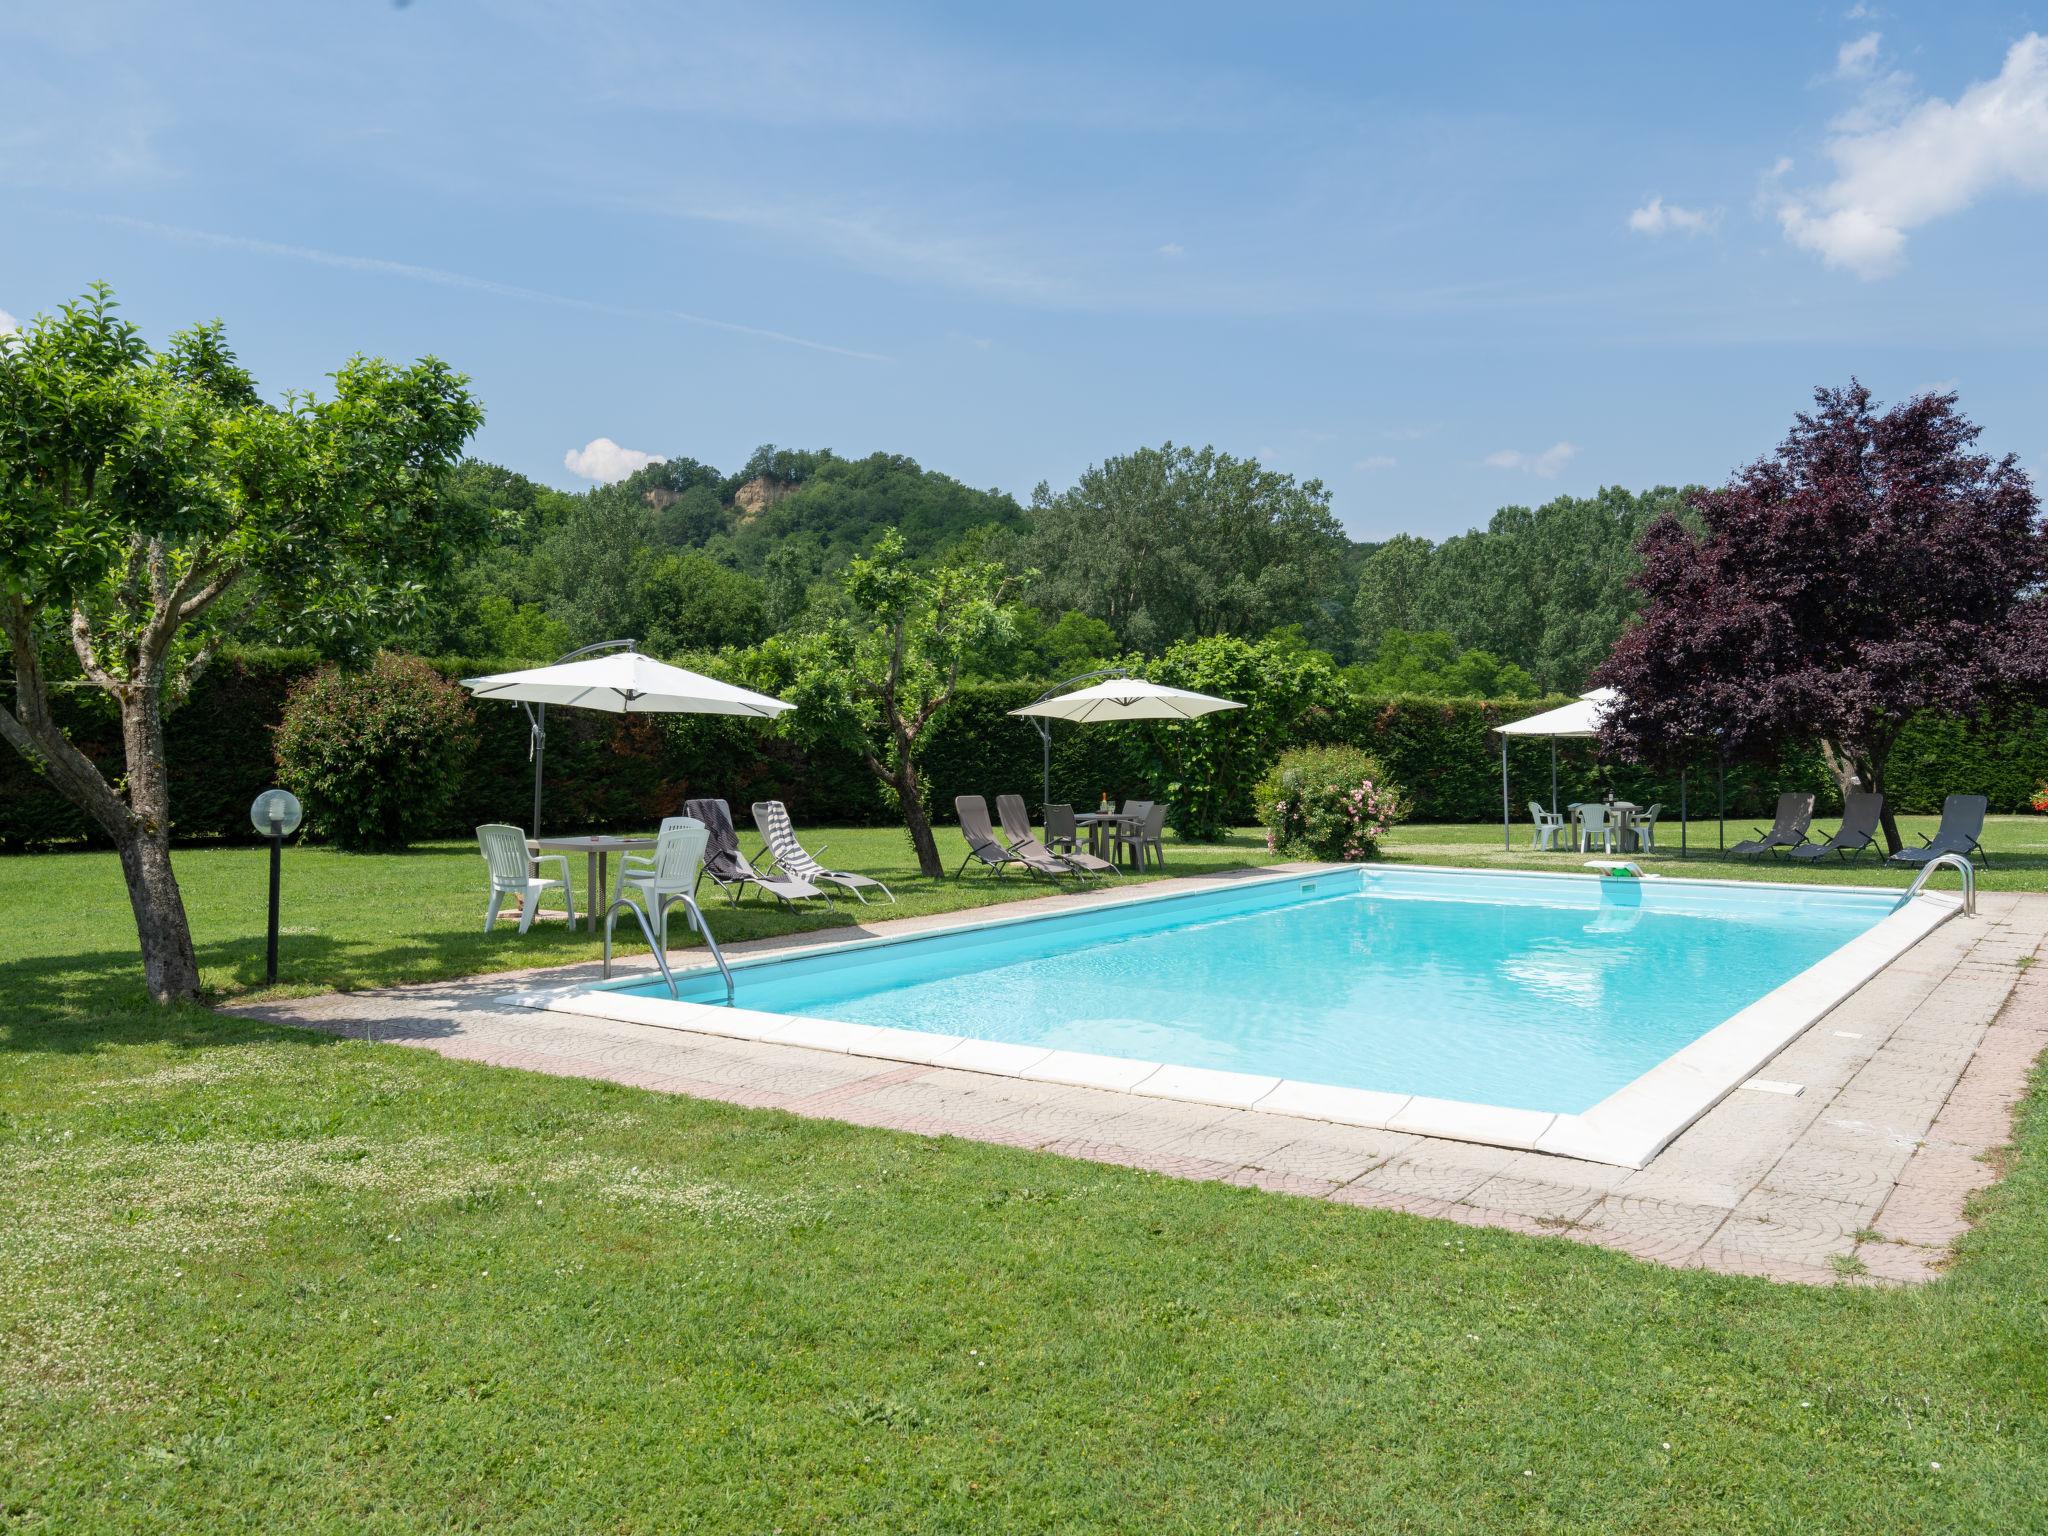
(253, 1279)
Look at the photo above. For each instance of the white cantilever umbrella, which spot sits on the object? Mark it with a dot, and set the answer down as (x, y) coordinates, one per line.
(622, 683)
(1116, 698)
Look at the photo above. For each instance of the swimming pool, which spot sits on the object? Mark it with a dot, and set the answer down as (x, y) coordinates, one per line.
(1529, 1009)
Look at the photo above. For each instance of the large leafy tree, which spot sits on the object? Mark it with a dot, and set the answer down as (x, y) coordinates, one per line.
(876, 677)
(1172, 543)
(151, 504)
(1872, 568)
(1547, 588)
(1430, 663)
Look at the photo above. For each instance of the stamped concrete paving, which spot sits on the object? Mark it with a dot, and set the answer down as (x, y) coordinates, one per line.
(1906, 1087)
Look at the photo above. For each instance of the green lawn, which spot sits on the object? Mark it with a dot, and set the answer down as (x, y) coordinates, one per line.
(257, 1280)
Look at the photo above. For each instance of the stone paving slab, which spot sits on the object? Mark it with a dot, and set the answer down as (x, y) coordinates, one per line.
(1860, 1178)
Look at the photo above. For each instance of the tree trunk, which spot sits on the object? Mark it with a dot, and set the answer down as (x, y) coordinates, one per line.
(920, 824)
(1871, 766)
(169, 964)
(1844, 767)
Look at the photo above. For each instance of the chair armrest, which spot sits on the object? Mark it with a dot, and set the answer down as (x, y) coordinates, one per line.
(562, 859)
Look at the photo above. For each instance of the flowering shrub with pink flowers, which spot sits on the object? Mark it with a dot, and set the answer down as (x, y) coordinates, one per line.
(1328, 803)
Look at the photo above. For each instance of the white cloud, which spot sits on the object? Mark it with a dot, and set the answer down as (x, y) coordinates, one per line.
(603, 460)
(1854, 61)
(1544, 465)
(8, 324)
(1923, 162)
(1173, 249)
(1657, 217)
(1377, 461)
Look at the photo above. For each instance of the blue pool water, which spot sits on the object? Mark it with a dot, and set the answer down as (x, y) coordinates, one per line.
(1532, 993)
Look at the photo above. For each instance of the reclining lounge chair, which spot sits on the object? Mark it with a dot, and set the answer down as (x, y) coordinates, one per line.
(984, 846)
(728, 867)
(1017, 833)
(1788, 830)
(1962, 823)
(793, 859)
(1858, 831)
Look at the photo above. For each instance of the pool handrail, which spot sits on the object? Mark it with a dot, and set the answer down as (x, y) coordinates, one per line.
(611, 916)
(1957, 862)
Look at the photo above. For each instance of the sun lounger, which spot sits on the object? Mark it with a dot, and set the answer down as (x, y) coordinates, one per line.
(1962, 823)
(728, 867)
(1788, 830)
(794, 860)
(984, 846)
(1017, 832)
(1858, 831)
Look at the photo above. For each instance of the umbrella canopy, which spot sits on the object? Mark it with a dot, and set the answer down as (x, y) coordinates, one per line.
(1581, 717)
(623, 683)
(1127, 698)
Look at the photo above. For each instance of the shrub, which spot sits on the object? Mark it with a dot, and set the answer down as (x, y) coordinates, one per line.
(375, 755)
(1331, 803)
(2041, 798)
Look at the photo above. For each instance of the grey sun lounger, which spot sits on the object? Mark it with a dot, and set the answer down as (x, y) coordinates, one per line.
(1861, 814)
(1017, 832)
(728, 867)
(984, 846)
(1788, 830)
(1962, 823)
(795, 861)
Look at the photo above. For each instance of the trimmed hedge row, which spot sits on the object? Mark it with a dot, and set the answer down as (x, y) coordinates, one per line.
(608, 771)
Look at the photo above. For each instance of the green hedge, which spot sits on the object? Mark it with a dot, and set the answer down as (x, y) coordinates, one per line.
(608, 772)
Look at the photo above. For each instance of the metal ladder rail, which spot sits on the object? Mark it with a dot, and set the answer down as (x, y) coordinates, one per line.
(1954, 861)
(611, 916)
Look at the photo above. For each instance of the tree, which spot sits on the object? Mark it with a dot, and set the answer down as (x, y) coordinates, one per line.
(1393, 591)
(1290, 692)
(875, 681)
(1872, 568)
(689, 602)
(1430, 663)
(1546, 588)
(151, 504)
(1169, 543)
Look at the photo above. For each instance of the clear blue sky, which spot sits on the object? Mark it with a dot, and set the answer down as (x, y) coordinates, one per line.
(1443, 257)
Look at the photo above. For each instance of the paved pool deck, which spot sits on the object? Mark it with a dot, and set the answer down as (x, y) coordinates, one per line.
(1907, 1090)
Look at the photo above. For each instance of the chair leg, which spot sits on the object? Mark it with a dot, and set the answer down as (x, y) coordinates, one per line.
(491, 914)
(527, 908)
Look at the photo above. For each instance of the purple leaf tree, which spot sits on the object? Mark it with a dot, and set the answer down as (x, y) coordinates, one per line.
(1872, 568)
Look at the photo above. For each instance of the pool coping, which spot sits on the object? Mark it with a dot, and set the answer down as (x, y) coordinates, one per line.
(1626, 1129)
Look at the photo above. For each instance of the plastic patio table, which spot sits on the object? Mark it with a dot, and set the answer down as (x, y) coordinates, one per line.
(597, 850)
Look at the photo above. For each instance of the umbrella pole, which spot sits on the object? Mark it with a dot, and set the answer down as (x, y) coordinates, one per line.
(1681, 812)
(1506, 837)
(1553, 775)
(1045, 740)
(539, 722)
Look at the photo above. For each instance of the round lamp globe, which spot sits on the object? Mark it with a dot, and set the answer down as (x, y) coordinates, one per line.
(276, 813)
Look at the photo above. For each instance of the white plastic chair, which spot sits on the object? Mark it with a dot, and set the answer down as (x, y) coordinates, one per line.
(1645, 827)
(1548, 825)
(1594, 821)
(669, 875)
(514, 871)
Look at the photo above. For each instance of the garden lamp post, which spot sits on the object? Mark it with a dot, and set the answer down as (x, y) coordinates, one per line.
(275, 815)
